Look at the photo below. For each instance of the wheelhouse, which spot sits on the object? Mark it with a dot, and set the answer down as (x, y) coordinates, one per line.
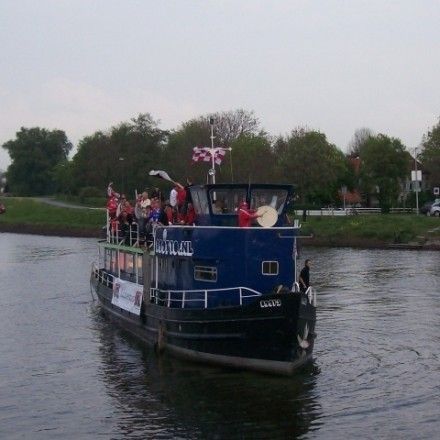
(217, 205)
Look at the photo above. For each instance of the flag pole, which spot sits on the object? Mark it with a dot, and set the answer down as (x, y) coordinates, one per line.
(211, 123)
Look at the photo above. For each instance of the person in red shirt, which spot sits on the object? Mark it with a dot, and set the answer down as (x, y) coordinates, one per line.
(169, 211)
(125, 211)
(246, 215)
(112, 207)
(190, 216)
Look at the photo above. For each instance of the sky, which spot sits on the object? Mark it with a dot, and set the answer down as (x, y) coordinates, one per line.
(333, 66)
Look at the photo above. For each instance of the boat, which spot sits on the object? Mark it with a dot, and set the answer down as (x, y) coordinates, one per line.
(213, 291)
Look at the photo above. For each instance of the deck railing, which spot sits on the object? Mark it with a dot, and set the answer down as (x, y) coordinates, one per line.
(129, 235)
(102, 276)
(184, 298)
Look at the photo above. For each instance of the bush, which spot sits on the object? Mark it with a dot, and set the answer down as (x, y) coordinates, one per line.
(89, 192)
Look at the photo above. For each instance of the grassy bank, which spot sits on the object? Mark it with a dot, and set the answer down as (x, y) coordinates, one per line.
(22, 212)
(391, 228)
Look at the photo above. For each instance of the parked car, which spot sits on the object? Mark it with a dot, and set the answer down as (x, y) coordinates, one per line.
(426, 208)
(435, 209)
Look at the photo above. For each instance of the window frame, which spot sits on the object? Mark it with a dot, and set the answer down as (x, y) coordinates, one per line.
(270, 262)
(207, 270)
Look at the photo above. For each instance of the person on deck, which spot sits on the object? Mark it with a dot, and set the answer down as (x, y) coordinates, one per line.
(190, 216)
(112, 202)
(125, 210)
(181, 197)
(173, 197)
(304, 276)
(142, 213)
(169, 211)
(246, 215)
(188, 198)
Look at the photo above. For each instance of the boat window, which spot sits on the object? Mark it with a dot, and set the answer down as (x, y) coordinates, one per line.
(139, 263)
(276, 198)
(269, 267)
(200, 201)
(129, 263)
(226, 200)
(114, 264)
(205, 273)
(108, 260)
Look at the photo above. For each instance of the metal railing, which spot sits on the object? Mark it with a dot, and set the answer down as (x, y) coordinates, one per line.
(102, 276)
(335, 212)
(118, 235)
(184, 298)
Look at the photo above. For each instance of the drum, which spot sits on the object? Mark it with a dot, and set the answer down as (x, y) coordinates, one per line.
(269, 217)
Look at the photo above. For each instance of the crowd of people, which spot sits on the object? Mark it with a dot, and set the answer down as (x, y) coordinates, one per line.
(149, 209)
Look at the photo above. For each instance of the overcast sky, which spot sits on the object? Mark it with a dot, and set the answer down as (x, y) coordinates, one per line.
(334, 66)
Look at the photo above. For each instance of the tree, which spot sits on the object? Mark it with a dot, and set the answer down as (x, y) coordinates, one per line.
(179, 149)
(253, 160)
(123, 155)
(229, 127)
(234, 124)
(34, 154)
(430, 155)
(2, 180)
(384, 163)
(360, 137)
(315, 166)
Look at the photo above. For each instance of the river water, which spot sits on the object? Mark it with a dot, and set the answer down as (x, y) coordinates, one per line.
(65, 372)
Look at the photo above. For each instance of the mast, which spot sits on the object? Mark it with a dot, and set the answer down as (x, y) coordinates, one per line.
(212, 151)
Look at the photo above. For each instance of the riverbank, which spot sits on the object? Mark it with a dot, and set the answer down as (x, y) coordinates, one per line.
(34, 216)
(406, 231)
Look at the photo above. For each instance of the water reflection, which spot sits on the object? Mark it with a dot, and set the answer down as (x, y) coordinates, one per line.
(162, 396)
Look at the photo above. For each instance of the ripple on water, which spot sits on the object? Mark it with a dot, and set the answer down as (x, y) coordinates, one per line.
(66, 372)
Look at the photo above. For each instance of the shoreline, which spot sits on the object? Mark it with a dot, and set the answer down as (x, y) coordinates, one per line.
(88, 232)
(49, 230)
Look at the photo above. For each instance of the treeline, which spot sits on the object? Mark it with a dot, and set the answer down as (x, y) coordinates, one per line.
(125, 153)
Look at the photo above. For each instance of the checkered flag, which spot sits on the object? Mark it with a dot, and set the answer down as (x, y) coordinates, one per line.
(203, 154)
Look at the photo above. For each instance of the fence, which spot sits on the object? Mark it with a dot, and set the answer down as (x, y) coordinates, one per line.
(331, 212)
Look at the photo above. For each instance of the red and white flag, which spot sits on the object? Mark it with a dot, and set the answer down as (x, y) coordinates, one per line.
(203, 154)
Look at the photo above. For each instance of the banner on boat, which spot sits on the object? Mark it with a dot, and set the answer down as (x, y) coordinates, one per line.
(127, 296)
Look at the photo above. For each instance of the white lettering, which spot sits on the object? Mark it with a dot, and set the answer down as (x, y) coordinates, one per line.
(174, 247)
(270, 303)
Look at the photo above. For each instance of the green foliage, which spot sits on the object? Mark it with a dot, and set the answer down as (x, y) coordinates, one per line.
(430, 156)
(384, 162)
(178, 150)
(124, 156)
(90, 191)
(253, 160)
(229, 128)
(389, 228)
(35, 152)
(317, 167)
